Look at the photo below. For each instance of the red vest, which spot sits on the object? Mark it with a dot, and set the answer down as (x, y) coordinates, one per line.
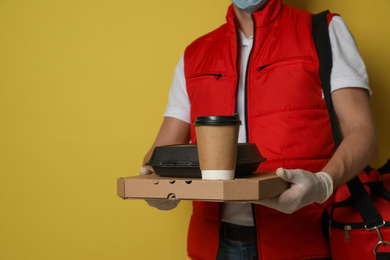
(286, 117)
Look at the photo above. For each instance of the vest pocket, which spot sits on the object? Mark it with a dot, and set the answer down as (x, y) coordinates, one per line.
(211, 93)
(215, 75)
(209, 85)
(286, 63)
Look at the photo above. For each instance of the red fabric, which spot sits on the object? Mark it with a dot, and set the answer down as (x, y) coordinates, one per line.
(285, 105)
(287, 119)
(291, 236)
(359, 238)
(343, 193)
(202, 243)
(345, 247)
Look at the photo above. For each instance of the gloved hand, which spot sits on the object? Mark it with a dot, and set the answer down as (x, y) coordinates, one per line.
(161, 204)
(146, 170)
(306, 188)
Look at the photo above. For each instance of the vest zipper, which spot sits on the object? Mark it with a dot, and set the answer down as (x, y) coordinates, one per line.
(238, 62)
(255, 225)
(247, 128)
(246, 80)
(219, 224)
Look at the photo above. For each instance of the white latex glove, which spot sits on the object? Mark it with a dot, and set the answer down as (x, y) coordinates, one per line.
(306, 188)
(161, 204)
(146, 171)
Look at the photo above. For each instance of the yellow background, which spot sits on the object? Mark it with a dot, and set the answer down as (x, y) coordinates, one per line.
(83, 85)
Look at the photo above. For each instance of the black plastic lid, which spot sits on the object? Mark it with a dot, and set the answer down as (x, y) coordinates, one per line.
(217, 120)
(183, 161)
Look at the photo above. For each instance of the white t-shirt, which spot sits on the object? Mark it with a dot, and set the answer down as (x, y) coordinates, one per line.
(348, 71)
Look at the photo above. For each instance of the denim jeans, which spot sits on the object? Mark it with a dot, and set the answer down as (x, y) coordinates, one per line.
(236, 250)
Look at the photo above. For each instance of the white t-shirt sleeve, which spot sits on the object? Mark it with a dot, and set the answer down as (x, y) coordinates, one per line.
(179, 105)
(348, 69)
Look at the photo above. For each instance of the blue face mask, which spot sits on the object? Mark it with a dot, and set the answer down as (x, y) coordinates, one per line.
(249, 6)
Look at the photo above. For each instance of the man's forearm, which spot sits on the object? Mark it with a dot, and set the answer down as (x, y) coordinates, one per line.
(356, 151)
(359, 146)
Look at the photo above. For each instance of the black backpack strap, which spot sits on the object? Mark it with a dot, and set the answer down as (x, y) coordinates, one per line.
(382, 256)
(319, 24)
(364, 204)
(321, 39)
(378, 189)
(385, 168)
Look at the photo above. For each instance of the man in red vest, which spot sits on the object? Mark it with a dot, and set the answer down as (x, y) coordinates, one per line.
(263, 64)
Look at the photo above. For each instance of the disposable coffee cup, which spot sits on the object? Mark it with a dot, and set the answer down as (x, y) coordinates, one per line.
(217, 138)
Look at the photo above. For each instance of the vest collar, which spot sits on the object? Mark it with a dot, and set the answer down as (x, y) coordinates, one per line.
(262, 17)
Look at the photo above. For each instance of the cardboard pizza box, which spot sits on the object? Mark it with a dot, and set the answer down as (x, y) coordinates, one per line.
(256, 186)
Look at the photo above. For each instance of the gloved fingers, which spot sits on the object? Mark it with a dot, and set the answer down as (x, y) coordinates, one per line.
(163, 204)
(290, 196)
(146, 171)
(302, 188)
(327, 185)
(307, 187)
(293, 198)
(297, 176)
(282, 174)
